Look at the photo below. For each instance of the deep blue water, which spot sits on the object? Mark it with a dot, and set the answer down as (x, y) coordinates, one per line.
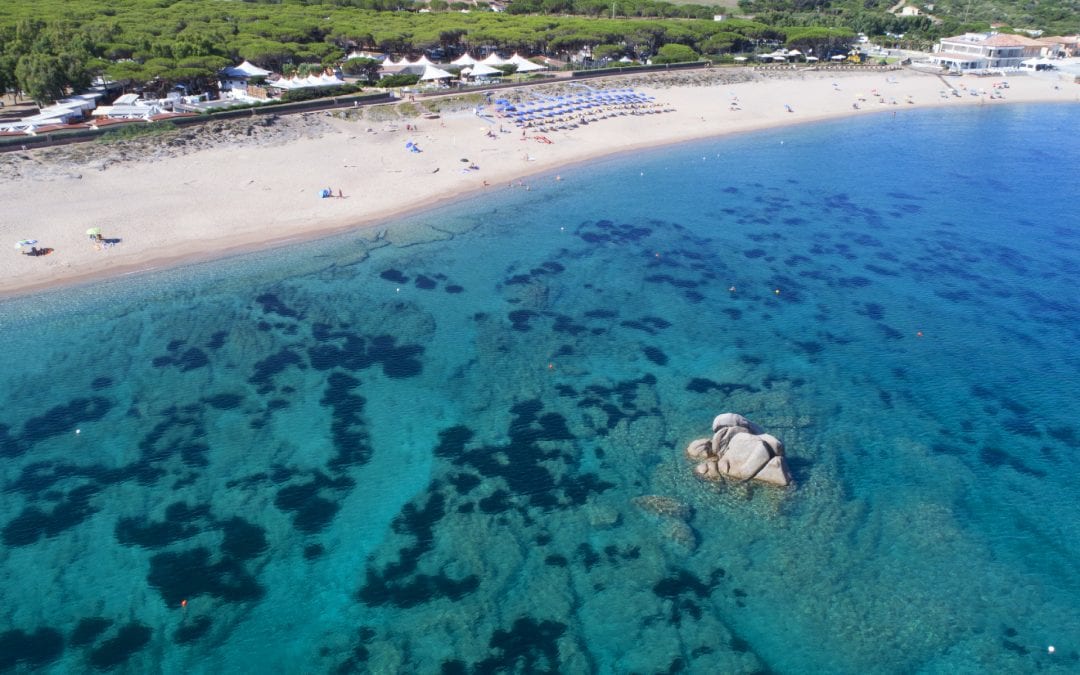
(423, 449)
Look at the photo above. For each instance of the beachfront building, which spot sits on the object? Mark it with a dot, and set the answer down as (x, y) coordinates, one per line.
(128, 107)
(984, 51)
(234, 81)
(1059, 47)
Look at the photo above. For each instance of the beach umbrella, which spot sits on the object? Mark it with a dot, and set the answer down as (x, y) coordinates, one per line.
(25, 242)
(94, 231)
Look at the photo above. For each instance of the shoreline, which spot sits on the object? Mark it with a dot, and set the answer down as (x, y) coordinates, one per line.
(148, 204)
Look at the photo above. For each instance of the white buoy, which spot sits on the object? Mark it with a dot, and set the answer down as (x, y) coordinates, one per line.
(79, 431)
(1050, 649)
(397, 290)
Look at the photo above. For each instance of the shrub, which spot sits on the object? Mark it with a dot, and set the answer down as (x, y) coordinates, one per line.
(399, 80)
(309, 93)
(675, 53)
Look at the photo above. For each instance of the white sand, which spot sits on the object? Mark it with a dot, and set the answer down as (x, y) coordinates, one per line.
(229, 198)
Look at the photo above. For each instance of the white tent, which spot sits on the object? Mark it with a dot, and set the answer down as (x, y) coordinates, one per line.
(524, 65)
(403, 62)
(366, 55)
(480, 70)
(433, 73)
(811, 58)
(294, 82)
(245, 70)
(494, 60)
(422, 61)
(464, 60)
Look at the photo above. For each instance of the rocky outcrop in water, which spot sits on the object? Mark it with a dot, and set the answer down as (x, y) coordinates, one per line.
(741, 450)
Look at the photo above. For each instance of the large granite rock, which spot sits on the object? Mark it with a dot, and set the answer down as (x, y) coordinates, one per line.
(746, 454)
(775, 471)
(734, 420)
(741, 450)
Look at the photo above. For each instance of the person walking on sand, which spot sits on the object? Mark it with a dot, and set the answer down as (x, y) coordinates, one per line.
(340, 196)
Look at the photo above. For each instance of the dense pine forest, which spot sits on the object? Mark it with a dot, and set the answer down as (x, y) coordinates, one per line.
(49, 47)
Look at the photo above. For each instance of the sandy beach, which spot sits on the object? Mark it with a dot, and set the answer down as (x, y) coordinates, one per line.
(257, 183)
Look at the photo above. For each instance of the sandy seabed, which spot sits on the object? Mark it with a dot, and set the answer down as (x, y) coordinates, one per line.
(166, 207)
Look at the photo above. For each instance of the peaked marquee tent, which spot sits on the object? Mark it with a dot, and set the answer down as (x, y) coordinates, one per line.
(433, 73)
(524, 65)
(244, 71)
(481, 70)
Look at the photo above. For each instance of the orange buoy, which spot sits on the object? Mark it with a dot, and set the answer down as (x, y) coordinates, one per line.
(919, 333)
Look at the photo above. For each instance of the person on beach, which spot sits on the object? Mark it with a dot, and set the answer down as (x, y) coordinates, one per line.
(340, 196)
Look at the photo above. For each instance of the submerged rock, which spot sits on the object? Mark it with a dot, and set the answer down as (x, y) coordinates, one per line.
(739, 449)
(680, 533)
(662, 506)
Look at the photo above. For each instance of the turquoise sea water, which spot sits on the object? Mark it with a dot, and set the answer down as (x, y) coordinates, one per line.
(425, 449)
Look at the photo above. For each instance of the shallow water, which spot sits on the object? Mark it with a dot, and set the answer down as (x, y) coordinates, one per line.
(424, 449)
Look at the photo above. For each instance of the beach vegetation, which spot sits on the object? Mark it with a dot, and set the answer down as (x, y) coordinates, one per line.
(310, 93)
(51, 47)
(136, 130)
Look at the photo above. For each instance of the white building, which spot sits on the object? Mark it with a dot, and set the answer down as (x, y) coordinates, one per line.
(984, 51)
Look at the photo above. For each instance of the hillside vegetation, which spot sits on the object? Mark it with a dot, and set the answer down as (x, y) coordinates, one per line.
(49, 47)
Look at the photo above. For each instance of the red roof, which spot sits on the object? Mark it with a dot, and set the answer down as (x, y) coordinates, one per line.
(109, 122)
(171, 115)
(1004, 40)
(999, 40)
(60, 127)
